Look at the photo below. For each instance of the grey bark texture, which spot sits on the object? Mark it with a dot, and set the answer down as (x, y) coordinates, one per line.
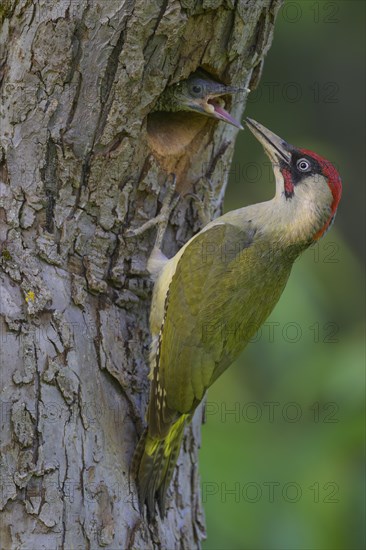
(82, 160)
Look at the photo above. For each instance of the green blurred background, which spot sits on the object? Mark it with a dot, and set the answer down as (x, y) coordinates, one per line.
(285, 468)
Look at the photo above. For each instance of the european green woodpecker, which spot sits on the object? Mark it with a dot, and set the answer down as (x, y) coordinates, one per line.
(198, 93)
(214, 294)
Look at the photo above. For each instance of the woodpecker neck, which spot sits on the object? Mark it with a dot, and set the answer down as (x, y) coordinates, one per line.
(287, 223)
(304, 215)
(298, 220)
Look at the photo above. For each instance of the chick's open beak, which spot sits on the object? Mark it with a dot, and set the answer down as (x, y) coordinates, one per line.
(213, 108)
(212, 105)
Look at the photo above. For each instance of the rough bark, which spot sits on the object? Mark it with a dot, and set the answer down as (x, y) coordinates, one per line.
(81, 162)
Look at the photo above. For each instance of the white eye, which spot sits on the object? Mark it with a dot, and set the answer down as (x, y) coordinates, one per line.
(303, 165)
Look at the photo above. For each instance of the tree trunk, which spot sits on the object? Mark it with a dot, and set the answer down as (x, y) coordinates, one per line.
(82, 161)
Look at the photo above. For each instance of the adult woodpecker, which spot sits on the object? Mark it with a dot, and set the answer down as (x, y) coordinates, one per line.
(198, 93)
(215, 293)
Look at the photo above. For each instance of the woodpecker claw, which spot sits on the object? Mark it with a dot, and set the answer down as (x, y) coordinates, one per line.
(162, 219)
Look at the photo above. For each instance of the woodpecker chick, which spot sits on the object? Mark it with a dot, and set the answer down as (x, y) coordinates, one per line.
(211, 298)
(199, 93)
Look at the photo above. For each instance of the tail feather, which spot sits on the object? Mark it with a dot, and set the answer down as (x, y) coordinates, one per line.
(168, 472)
(153, 465)
(152, 482)
(137, 455)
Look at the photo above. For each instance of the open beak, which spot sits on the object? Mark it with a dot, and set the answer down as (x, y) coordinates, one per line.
(276, 148)
(212, 107)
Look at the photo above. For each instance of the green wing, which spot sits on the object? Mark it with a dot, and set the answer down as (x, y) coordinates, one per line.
(201, 336)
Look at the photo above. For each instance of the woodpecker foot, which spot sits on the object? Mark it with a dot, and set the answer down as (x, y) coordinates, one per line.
(206, 209)
(203, 211)
(169, 203)
(162, 219)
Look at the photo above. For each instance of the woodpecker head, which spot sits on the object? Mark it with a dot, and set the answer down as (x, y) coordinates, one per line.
(199, 93)
(308, 183)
